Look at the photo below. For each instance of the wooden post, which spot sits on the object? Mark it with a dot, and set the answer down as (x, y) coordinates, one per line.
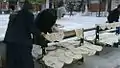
(100, 4)
(97, 34)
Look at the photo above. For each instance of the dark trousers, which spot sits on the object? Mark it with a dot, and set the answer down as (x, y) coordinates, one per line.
(71, 12)
(113, 20)
(19, 56)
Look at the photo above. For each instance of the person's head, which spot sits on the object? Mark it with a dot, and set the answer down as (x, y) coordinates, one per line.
(12, 7)
(27, 6)
(118, 7)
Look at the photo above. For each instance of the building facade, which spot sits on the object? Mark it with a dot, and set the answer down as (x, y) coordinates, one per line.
(103, 5)
(114, 4)
(96, 5)
(93, 5)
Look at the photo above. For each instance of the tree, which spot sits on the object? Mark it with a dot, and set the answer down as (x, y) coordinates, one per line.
(37, 1)
(3, 0)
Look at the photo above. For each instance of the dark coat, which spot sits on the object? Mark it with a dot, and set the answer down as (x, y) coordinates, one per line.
(113, 16)
(46, 19)
(20, 28)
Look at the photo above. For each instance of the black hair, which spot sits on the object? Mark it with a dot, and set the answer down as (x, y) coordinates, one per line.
(27, 5)
(118, 6)
(12, 7)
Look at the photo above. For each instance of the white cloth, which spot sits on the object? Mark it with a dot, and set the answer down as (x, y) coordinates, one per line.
(53, 62)
(106, 38)
(79, 33)
(85, 50)
(57, 36)
(92, 47)
(36, 51)
(58, 57)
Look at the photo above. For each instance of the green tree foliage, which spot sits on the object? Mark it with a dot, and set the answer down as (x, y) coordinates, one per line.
(7, 0)
(37, 1)
(32, 1)
(1, 0)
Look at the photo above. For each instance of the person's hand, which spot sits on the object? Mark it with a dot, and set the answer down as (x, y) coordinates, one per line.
(40, 40)
(43, 41)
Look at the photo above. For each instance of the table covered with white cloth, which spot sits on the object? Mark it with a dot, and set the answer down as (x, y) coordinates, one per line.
(106, 38)
(65, 52)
